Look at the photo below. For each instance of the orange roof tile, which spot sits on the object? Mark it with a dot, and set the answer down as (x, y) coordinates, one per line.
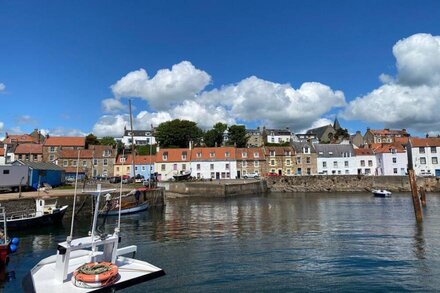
(19, 138)
(280, 150)
(65, 141)
(249, 153)
(213, 154)
(425, 142)
(29, 148)
(2, 152)
(387, 148)
(389, 131)
(138, 160)
(173, 155)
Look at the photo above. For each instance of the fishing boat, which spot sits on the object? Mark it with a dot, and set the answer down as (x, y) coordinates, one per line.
(90, 264)
(183, 175)
(127, 208)
(381, 193)
(44, 214)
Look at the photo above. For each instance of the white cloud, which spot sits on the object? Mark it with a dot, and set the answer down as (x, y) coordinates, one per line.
(60, 131)
(25, 120)
(112, 105)
(412, 99)
(166, 88)
(180, 93)
(2, 87)
(2, 125)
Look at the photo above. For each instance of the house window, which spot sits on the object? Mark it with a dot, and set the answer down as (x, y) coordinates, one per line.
(227, 154)
(199, 155)
(51, 157)
(321, 153)
(370, 163)
(434, 160)
(272, 162)
(272, 139)
(84, 163)
(309, 171)
(184, 156)
(174, 166)
(183, 166)
(330, 153)
(143, 168)
(347, 172)
(65, 163)
(288, 171)
(394, 160)
(52, 149)
(395, 170)
(287, 153)
(256, 155)
(335, 164)
(228, 175)
(27, 157)
(288, 162)
(244, 163)
(298, 160)
(211, 166)
(393, 151)
(105, 162)
(162, 167)
(256, 163)
(433, 150)
(107, 153)
(306, 150)
(74, 163)
(227, 166)
(308, 160)
(272, 153)
(244, 154)
(324, 164)
(122, 160)
(421, 150)
(198, 167)
(165, 156)
(5, 172)
(135, 168)
(212, 154)
(362, 163)
(117, 169)
(346, 163)
(212, 175)
(423, 160)
(95, 161)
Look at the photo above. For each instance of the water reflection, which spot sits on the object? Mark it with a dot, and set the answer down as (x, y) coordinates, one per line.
(419, 241)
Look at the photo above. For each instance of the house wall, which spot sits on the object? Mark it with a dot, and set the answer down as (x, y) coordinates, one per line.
(367, 168)
(286, 165)
(429, 167)
(387, 167)
(340, 168)
(221, 169)
(170, 169)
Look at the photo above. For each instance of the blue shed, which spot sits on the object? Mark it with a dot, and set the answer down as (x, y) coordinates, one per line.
(40, 173)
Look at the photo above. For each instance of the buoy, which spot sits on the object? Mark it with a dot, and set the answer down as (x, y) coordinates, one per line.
(15, 241)
(95, 275)
(12, 248)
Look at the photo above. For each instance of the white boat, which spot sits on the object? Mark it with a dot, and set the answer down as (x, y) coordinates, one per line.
(57, 273)
(128, 208)
(381, 193)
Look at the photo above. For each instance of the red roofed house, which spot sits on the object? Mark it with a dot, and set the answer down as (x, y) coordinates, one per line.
(19, 138)
(143, 165)
(391, 159)
(282, 160)
(383, 135)
(54, 144)
(250, 160)
(426, 156)
(29, 152)
(171, 162)
(214, 163)
(2, 156)
(366, 161)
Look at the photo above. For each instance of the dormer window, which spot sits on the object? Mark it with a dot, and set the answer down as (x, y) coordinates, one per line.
(184, 156)
(165, 156)
(212, 154)
(287, 153)
(393, 151)
(227, 154)
(244, 154)
(199, 155)
(122, 160)
(306, 150)
(330, 153)
(256, 155)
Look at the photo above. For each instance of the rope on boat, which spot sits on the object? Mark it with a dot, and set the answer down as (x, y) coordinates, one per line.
(95, 275)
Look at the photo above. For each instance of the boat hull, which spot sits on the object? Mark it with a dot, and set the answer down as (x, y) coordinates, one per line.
(4, 254)
(381, 193)
(132, 210)
(49, 219)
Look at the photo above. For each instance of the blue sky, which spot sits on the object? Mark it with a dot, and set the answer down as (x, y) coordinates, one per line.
(233, 61)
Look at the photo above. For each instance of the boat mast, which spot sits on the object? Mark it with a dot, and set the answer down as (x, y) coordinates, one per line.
(132, 139)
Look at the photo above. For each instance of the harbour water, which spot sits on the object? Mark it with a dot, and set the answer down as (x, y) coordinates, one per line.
(276, 242)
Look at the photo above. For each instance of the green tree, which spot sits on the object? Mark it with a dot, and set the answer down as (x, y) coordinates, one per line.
(91, 139)
(238, 136)
(214, 137)
(341, 134)
(144, 150)
(178, 133)
(107, 140)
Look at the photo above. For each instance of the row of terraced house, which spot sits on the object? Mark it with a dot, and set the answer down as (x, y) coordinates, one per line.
(300, 158)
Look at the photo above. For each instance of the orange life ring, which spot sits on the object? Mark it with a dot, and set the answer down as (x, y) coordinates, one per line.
(94, 278)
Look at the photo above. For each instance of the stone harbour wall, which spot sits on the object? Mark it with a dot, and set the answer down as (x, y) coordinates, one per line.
(345, 183)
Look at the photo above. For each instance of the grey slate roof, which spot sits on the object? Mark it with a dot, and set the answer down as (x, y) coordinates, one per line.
(279, 131)
(299, 145)
(38, 165)
(319, 131)
(334, 150)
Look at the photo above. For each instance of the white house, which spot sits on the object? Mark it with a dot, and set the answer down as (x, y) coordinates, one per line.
(391, 159)
(366, 161)
(170, 162)
(336, 159)
(426, 156)
(140, 137)
(277, 135)
(215, 163)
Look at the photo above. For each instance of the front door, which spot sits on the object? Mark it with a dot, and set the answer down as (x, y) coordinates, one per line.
(238, 174)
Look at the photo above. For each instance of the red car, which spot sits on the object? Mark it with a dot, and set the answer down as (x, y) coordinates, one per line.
(272, 174)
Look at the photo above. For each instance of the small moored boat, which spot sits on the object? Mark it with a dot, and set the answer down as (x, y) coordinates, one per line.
(381, 193)
(183, 175)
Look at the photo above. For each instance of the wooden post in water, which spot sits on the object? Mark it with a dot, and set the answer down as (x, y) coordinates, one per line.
(413, 184)
(423, 195)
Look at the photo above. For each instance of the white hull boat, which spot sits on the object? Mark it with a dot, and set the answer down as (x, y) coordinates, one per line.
(381, 193)
(125, 210)
(90, 264)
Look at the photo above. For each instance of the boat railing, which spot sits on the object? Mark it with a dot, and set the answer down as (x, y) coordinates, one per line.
(28, 213)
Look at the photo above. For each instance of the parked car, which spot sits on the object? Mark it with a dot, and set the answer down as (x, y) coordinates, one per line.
(251, 175)
(272, 174)
(139, 178)
(127, 179)
(115, 179)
